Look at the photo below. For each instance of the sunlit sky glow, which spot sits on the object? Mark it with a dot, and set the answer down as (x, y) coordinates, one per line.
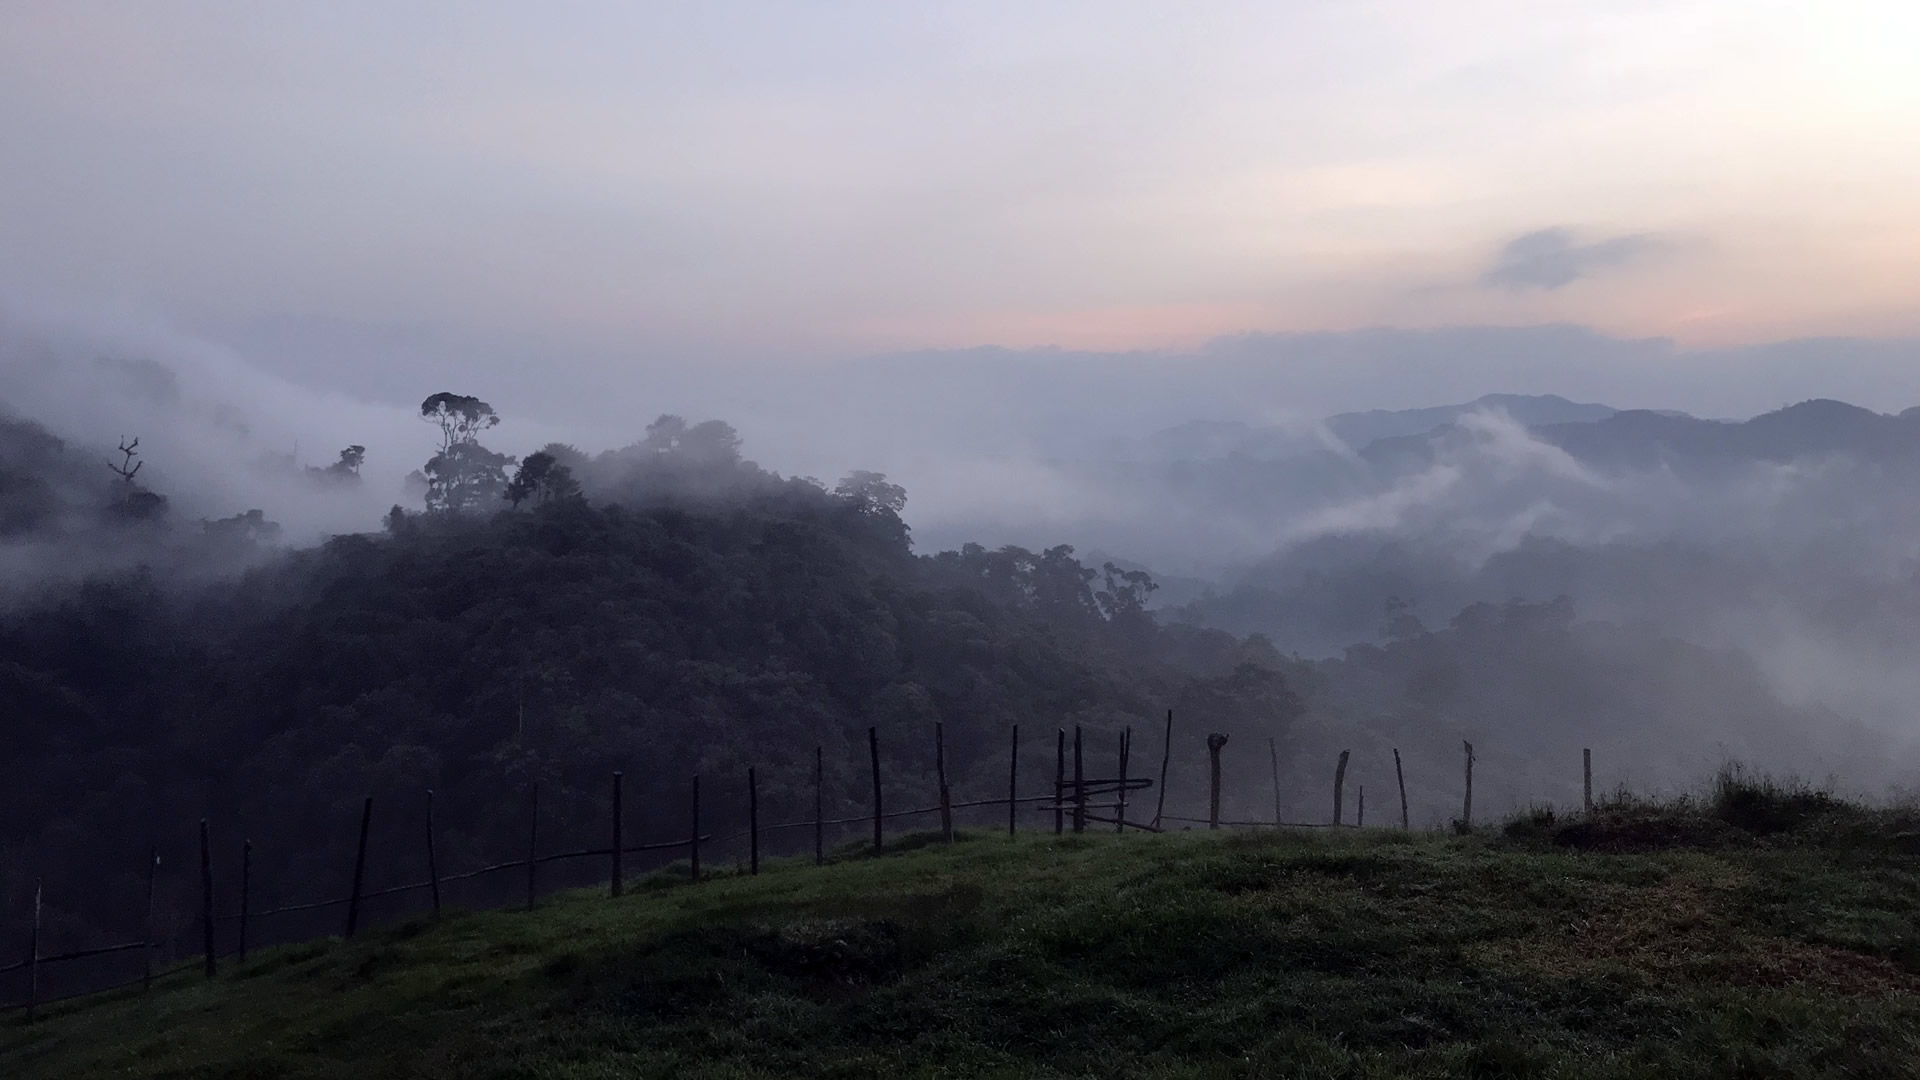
(849, 177)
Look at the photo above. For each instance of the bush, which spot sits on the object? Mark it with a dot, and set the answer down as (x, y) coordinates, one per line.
(1765, 805)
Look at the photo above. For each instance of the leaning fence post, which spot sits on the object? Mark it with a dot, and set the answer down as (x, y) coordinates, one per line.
(617, 840)
(1060, 781)
(693, 842)
(246, 893)
(1013, 782)
(1401, 777)
(206, 897)
(1466, 809)
(359, 867)
(1273, 752)
(533, 843)
(1166, 758)
(753, 822)
(1586, 769)
(1214, 742)
(433, 863)
(819, 807)
(1079, 784)
(873, 757)
(940, 774)
(146, 954)
(1339, 787)
(33, 957)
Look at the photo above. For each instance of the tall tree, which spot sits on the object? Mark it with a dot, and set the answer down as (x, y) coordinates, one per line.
(464, 476)
(459, 417)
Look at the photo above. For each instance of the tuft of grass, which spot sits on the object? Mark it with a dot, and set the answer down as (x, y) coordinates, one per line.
(1739, 808)
(1764, 805)
(1357, 953)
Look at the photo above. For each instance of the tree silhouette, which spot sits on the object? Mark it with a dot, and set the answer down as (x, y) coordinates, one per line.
(464, 476)
(872, 492)
(542, 479)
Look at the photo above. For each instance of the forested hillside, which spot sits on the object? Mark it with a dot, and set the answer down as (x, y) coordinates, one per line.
(682, 612)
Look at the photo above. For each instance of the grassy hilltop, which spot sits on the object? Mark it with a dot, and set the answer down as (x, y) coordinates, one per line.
(1756, 935)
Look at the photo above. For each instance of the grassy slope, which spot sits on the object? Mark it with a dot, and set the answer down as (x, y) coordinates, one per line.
(1360, 954)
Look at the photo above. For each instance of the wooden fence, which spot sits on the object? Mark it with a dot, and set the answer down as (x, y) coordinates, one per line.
(1076, 800)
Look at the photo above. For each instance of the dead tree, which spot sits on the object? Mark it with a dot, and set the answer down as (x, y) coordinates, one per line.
(127, 467)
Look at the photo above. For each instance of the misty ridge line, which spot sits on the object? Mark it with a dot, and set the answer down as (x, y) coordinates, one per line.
(1213, 508)
(947, 492)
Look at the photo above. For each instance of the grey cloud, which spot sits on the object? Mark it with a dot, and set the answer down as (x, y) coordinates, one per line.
(1554, 258)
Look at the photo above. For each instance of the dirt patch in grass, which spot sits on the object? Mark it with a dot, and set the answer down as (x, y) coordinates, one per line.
(831, 953)
(1650, 832)
(1686, 931)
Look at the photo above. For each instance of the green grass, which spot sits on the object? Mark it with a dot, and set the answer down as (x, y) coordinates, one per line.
(1610, 946)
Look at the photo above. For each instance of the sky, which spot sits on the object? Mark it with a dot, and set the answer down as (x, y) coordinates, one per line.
(649, 184)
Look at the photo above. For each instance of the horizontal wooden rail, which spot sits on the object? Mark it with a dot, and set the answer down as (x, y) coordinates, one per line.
(1267, 824)
(122, 985)
(1115, 821)
(863, 819)
(395, 890)
(77, 954)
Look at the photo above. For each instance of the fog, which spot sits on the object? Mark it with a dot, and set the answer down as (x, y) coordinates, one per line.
(1227, 471)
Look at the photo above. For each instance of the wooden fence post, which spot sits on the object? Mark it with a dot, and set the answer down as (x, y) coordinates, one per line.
(873, 756)
(1079, 783)
(1401, 777)
(33, 957)
(246, 893)
(819, 807)
(146, 954)
(1466, 809)
(1273, 752)
(1360, 815)
(693, 841)
(617, 838)
(940, 774)
(1339, 786)
(1166, 758)
(359, 867)
(1060, 781)
(1013, 782)
(753, 821)
(206, 897)
(1214, 743)
(533, 843)
(1586, 769)
(433, 863)
(1120, 801)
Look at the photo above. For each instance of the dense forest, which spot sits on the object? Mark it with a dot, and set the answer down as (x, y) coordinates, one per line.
(670, 609)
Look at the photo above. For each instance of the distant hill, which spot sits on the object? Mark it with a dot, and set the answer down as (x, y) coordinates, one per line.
(1357, 429)
(1645, 439)
(1809, 429)
(1213, 440)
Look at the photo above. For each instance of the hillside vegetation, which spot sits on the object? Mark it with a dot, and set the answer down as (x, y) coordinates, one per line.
(1764, 933)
